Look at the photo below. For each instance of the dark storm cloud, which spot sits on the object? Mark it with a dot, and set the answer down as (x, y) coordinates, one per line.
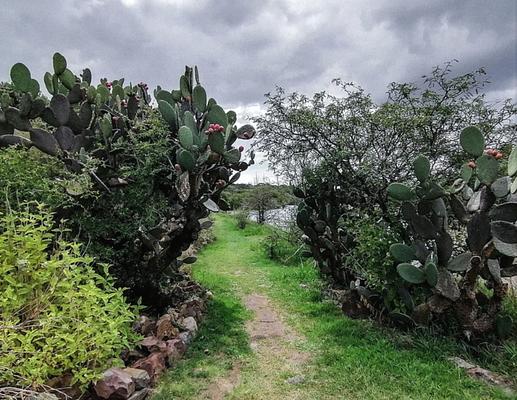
(244, 48)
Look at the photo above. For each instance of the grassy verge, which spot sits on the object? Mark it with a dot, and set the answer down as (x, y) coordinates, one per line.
(350, 359)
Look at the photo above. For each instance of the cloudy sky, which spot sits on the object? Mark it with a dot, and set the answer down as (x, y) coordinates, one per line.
(245, 47)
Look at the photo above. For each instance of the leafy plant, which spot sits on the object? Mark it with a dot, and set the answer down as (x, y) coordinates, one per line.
(369, 257)
(242, 218)
(57, 315)
(27, 175)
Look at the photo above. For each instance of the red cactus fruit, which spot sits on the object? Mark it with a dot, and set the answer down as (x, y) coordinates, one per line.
(471, 164)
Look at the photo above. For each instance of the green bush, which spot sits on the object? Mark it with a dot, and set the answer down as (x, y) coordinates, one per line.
(284, 245)
(242, 219)
(111, 224)
(29, 175)
(370, 258)
(57, 315)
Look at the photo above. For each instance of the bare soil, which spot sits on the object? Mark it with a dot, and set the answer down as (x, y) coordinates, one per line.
(273, 342)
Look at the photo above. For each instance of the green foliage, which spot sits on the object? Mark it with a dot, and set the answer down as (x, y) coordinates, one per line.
(236, 195)
(242, 219)
(369, 257)
(489, 214)
(156, 172)
(284, 245)
(400, 192)
(472, 141)
(27, 175)
(57, 315)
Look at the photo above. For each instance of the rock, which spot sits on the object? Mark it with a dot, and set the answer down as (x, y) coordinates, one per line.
(178, 344)
(352, 306)
(145, 325)
(64, 384)
(186, 337)
(165, 328)
(140, 395)
(175, 349)
(484, 375)
(296, 380)
(154, 364)
(190, 325)
(192, 308)
(421, 314)
(139, 376)
(130, 356)
(438, 304)
(447, 286)
(461, 363)
(115, 383)
(152, 344)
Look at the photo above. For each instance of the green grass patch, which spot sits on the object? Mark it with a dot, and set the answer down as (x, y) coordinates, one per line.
(351, 359)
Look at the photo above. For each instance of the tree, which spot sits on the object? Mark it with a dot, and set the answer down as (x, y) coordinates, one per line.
(351, 134)
(264, 197)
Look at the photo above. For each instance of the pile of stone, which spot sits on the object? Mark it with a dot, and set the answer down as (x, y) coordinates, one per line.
(165, 341)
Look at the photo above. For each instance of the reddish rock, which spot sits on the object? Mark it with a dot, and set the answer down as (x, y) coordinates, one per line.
(114, 384)
(152, 344)
(178, 344)
(165, 328)
(192, 308)
(175, 349)
(154, 364)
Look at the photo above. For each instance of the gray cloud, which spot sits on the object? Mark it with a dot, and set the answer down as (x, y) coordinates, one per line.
(245, 48)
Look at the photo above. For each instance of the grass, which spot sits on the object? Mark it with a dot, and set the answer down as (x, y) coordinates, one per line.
(351, 359)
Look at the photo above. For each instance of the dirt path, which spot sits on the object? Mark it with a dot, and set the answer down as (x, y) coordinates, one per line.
(277, 356)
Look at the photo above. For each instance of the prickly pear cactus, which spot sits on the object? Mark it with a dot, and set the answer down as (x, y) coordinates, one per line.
(483, 200)
(90, 128)
(320, 216)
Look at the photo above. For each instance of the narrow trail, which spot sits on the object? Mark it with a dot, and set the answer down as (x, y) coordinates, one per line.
(272, 341)
(269, 335)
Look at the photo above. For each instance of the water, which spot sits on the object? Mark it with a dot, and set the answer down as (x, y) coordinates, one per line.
(278, 217)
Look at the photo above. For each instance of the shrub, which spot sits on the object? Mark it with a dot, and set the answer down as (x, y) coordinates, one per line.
(29, 175)
(284, 245)
(370, 258)
(57, 315)
(481, 199)
(242, 219)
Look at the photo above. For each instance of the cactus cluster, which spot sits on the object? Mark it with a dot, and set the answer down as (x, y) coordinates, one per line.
(435, 276)
(92, 129)
(321, 212)
(483, 200)
(83, 119)
(205, 135)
